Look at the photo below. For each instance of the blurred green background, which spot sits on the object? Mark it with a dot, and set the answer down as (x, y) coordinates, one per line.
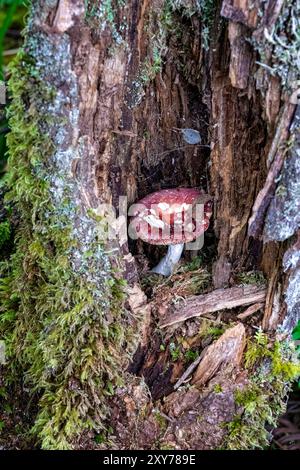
(12, 21)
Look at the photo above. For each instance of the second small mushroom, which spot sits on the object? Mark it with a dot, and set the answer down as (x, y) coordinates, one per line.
(170, 217)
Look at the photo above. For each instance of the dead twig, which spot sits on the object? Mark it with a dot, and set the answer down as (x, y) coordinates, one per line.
(250, 311)
(189, 370)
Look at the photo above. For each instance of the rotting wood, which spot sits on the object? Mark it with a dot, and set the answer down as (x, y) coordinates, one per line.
(189, 370)
(281, 130)
(273, 320)
(238, 147)
(136, 297)
(228, 349)
(291, 266)
(264, 196)
(245, 12)
(273, 10)
(124, 133)
(273, 95)
(134, 165)
(221, 272)
(219, 299)
(241, 55)
(270, 297)
(250, 311)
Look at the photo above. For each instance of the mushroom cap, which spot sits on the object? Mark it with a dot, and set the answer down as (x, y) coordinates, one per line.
(171, 216)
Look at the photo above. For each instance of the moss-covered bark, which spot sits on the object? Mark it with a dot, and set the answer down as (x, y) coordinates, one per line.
(63, 316)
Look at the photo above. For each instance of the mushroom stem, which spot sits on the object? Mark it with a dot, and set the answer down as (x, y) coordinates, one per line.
(166, 265)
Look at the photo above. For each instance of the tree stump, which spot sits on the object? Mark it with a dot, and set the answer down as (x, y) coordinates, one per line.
(100, 93)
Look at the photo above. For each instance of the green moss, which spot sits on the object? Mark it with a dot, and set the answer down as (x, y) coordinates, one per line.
(286, 370)
(215, 332)
(151, 67)
(218, 388)
(248, 429)
(191, 355)
(175, 351)
(249, 398)
(166, 447)
(161, 420)
(100, 15)
(5, 232)
(196, 263)
(262, 401)
(209, 330)
(66, 331)
(251, 277)
(257, 349)
(205, 9)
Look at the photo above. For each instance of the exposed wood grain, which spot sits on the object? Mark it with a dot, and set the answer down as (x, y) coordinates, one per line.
(219, 299)
(273, 99)
(228, 349)
(242, 11)
(67, 11)
(238, 140)
(272, 11)
(250, 311)
(265, 194)
(221, 272)
(241, 55)
(270, 297)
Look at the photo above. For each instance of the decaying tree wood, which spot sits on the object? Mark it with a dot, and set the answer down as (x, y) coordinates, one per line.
(219, 299)
(226, 350)
(291, 265)
(251, 117)
(126, 102)
(250, 311)
(275, 160)
(241, 12)
(236, 246)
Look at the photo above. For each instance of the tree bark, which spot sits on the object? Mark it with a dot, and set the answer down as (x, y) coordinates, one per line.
(119, 80)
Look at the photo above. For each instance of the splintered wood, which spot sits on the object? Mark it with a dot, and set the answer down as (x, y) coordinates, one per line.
(250, 311)
(275, 161)
(219, 299)
(227, 350)
(245, 12)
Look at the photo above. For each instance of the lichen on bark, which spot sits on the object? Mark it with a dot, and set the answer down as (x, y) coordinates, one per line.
(282, 222)
(283, 217)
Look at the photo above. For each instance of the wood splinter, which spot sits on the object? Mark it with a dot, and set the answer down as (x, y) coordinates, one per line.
(227, 350)
(250, 310)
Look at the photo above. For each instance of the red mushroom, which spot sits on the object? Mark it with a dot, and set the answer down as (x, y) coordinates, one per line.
(171, 217)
